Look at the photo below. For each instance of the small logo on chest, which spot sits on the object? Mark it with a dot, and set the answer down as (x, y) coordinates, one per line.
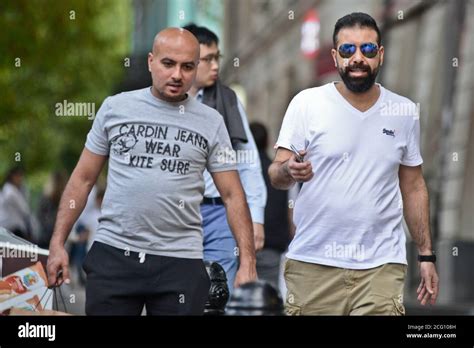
(389, 132)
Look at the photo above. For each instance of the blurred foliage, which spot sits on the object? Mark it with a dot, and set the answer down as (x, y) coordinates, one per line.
(53, 51)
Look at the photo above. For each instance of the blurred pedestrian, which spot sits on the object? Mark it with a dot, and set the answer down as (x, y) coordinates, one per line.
(15, 212)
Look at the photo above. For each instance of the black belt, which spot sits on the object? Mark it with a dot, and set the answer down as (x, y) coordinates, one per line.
(212, 201)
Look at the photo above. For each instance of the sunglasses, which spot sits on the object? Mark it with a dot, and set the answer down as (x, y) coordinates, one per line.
(369, 50)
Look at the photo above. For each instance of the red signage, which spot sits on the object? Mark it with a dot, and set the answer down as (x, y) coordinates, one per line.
(310, 34)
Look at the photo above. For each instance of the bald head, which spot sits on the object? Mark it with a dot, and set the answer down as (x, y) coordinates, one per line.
(176, 37)
(173, 63)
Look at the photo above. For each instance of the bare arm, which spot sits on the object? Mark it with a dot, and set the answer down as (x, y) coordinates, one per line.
(285, 171)
(416, 212)
(72, 203)
(238, 214)
(416, 207)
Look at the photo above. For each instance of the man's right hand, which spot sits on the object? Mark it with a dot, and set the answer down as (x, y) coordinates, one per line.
(58, 260)
(300, 172)
(245, 274)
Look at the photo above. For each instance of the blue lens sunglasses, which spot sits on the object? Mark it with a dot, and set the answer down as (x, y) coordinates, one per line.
(369, 50)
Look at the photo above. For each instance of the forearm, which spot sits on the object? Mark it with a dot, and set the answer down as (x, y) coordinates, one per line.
(240, 223)
(280, 176)
(255, 190)
(71, 205)
(416, 211)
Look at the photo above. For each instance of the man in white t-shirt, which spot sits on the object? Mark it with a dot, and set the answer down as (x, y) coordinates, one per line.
(360, 167)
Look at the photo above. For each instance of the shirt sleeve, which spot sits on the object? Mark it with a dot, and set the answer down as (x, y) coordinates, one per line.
(250, 171)
(221, 154)
(412, 154)
(292, 130)
(97, 139)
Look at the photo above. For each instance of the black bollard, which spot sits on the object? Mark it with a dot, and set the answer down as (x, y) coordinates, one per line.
(255, 298)
(218, 292)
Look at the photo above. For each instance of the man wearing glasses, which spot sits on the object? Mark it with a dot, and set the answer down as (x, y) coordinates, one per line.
(219, 245)
(360, 172)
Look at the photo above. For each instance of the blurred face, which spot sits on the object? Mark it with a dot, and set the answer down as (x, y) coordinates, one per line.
(17, 179)
(173, 67)
(208, 69)
(358, 58)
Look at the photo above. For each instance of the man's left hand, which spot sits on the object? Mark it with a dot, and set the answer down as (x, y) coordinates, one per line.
(429, 285)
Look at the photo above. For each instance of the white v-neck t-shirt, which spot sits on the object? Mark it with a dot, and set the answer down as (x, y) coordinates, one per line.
(349, 215)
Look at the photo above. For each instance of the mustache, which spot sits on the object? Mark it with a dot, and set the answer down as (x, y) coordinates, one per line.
(358, 67)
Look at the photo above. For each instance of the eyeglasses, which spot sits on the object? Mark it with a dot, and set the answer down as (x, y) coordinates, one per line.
(369, 50)
(209, 58)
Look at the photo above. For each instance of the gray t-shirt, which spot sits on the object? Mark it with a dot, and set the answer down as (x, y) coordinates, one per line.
(157, 154)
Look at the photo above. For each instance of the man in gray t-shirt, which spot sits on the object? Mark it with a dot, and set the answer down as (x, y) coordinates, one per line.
(158, 141)
(155, 179)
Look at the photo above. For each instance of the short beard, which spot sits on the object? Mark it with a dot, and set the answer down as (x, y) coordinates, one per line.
(358, 84)
(171, 99)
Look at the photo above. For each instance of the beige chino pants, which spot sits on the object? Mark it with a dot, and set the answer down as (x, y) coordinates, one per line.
(315, 289)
